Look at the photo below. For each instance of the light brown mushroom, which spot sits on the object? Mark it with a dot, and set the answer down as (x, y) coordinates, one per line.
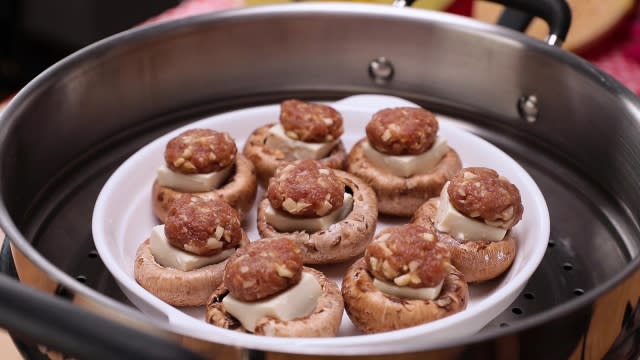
(177, 287)
(324, 321)
(397, 195)
(477, 260)
(373, 311)
(267, 160)
(341, 241)
(239, 191)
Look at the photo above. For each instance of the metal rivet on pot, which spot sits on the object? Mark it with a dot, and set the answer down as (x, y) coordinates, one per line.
(528, 108)
(381, 70)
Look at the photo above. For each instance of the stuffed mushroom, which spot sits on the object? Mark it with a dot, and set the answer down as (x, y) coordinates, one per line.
(403, 159)
(404, 279)
(267, 291)
(183, 260)
(330, 213)
(474, 214)
(305, 131)
(205, 163)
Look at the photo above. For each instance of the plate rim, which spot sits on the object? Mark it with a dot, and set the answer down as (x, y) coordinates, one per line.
(333, 345)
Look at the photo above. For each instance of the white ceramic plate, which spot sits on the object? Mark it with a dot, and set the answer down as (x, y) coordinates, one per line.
(123, 218)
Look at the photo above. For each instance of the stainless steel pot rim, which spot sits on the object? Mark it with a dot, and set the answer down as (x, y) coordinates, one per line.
(112, 45)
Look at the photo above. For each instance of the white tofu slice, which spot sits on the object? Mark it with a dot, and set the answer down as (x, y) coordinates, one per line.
(284, 222)
(192, 182)
(461, 227)
(299, 150)
(168, 256)
(407, 165)
(297, 302)
(425, 293)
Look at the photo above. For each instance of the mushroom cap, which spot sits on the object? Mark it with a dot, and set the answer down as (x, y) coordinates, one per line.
(373, 311)
(177, 287)
(324, 321)
(341, 241)
(477, 260)
(266, 161)
(239, 191)
(398, 195)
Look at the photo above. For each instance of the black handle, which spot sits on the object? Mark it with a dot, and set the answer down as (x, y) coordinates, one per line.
(519, 14)
(515, 19)
(556, 13)
(33, 316)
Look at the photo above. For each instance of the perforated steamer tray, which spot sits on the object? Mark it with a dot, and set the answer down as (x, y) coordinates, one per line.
(123, 218)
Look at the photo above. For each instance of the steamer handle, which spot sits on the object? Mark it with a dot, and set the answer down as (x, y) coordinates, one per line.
(519, 13)
(556, 13)
(31, 315)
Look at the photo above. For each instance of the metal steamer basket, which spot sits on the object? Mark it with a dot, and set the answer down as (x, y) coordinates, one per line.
(573, 128)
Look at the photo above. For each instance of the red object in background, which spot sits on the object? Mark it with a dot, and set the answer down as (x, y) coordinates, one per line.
(461, 7)
(618, 53)
(195, 7)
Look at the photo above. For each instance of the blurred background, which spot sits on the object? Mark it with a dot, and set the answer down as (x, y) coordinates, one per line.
(36, 33)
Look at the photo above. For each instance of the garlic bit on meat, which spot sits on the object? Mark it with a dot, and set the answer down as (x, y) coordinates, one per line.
(408, 262)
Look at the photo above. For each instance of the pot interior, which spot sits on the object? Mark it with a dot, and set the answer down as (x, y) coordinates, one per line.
(73, 126)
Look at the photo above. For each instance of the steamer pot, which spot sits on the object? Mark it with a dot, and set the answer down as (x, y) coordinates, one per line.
(575, 130)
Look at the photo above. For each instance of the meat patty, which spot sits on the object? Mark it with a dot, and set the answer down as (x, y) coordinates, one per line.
(305, 189)
(310, 122)
(402, 131)
(200, 151)
(202, 227)
(481, 193)
(264, 268)
(408, 255)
